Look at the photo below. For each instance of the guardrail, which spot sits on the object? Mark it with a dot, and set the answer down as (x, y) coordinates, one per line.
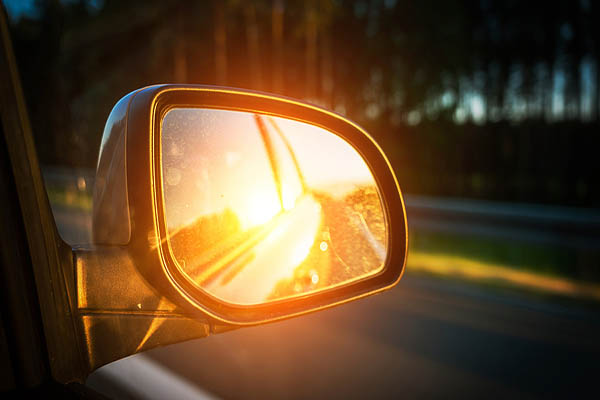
(530, 222)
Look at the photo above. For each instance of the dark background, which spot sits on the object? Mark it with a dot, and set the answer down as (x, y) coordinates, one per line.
(483, 99)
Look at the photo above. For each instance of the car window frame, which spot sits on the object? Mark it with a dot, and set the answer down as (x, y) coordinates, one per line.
(62, 357)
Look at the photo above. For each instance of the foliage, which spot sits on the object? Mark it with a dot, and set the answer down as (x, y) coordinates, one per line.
(462, 92)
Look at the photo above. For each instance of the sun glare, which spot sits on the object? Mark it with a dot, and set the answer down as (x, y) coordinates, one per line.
(260, 208)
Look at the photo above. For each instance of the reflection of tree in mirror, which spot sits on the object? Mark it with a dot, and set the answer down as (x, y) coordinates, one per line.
(357, 230)
(205, 239)
(365, 201)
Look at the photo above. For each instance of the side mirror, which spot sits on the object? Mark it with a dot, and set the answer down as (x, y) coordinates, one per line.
(216, 208)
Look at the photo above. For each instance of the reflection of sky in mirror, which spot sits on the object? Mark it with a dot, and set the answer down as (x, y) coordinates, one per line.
(324, 158)
(215, 160)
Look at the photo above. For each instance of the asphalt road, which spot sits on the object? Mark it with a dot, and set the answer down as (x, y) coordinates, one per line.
(427, 337)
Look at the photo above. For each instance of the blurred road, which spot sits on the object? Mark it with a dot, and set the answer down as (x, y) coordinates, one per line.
(424, 338)
(427, 337)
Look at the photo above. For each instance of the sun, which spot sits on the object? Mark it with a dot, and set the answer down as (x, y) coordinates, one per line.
(260, 207)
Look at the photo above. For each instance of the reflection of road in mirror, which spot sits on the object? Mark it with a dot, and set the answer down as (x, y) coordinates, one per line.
(264, 208)
(252, 278)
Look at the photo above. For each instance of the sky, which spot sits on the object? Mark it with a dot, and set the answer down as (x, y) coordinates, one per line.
(18, 8)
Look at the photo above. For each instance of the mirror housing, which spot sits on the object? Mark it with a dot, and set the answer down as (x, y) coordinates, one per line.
(129, 295)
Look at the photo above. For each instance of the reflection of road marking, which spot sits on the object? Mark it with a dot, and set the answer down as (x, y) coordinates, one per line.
(377, 247)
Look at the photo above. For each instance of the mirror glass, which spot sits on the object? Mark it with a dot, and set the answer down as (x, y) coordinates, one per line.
(260, 208)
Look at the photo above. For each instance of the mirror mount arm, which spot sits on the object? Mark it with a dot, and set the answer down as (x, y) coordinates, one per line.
(118, 311)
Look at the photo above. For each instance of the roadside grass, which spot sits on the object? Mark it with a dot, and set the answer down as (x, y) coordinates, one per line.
(503, 263)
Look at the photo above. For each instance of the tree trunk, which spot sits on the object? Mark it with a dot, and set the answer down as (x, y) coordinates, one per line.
(220, 43)
(326, 69)
(277, 41)
(311, 53)
(180, 60)
(253, 45)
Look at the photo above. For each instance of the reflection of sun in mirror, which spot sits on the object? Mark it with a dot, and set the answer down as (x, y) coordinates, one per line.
(260, 208)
